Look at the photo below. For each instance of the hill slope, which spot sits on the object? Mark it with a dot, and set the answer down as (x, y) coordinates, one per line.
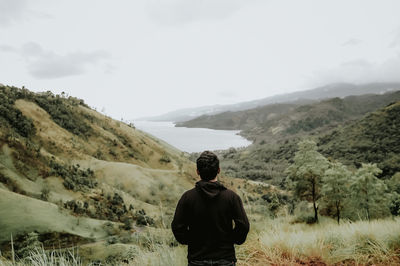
(374, 139)
(70, 173)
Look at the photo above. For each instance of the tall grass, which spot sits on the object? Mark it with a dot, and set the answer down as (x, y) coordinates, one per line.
(360, 243)
(270, 242)
(158, 247)
(40, 257)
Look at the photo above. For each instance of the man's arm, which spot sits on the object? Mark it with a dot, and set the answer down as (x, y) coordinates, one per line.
(242, 225)
(179, 224)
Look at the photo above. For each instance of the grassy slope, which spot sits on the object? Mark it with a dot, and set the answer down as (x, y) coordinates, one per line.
(21, 214)
(133, 170)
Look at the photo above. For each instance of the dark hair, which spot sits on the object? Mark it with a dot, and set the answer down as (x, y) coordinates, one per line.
(207, 165)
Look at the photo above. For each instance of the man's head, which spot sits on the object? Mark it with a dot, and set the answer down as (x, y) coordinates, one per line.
(207, 165)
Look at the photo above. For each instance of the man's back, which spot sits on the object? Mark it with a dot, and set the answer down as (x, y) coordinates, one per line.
(203, 220)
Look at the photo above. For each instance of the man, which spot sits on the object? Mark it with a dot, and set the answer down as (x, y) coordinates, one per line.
(204, 215)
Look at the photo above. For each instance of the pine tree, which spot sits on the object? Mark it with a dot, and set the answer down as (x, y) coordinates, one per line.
(335, 187)
(306, 172)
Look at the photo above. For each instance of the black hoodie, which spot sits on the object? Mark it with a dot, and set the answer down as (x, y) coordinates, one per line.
(203, 221)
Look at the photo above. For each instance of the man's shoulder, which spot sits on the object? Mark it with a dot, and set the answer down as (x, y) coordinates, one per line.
(230, 193)
(189, 193)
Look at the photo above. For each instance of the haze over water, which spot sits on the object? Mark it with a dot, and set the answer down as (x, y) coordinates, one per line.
(193, 139)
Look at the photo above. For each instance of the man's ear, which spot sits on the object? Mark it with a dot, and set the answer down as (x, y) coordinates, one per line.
(197, 171)
(219, 170)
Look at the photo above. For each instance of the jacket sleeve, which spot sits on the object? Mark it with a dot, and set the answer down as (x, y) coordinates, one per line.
(242, 225)
(179, 224)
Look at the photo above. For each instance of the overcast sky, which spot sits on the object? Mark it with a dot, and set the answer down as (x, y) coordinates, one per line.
(135, 58)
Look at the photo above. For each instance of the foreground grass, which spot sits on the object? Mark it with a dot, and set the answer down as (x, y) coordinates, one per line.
(272, 242)
(278, 242)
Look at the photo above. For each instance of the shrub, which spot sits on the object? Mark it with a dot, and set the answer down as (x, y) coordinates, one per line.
(44, 194)
(14, 117)
(75, 178)
(165, 159)
(29, 243)
(64, 114)
(142, 219)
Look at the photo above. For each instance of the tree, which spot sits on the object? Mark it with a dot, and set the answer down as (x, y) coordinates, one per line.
(368, 191)
(306, 172)
(334, 188)
(394, 188)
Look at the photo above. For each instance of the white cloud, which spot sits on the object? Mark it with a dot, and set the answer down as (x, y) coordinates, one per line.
(396, 40)
(11, 11)
(184, 11)
(360, 71)
(352, 42)
(46, 64)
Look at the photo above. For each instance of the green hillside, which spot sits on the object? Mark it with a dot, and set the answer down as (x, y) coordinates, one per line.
(374, 139)
(333, 124)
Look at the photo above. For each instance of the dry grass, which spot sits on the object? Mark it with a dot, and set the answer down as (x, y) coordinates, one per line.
(359, 243)
(271, 242)
(39, 257)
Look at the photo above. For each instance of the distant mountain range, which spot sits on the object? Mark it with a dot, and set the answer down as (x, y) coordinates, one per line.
(299, 97)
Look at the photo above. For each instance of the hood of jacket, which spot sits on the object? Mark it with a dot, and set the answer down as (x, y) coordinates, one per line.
(209, 189)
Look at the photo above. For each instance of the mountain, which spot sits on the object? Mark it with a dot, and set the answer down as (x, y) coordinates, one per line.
(276, 121)
(275, 139)
(324, 92)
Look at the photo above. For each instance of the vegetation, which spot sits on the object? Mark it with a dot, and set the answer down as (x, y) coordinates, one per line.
(109, 190)
(335, 188)
(270, 242)
(60, 108)
(11, 117)
(62, 112)
(75, 178)
(306, 174)
(373, 139)
(368, 190)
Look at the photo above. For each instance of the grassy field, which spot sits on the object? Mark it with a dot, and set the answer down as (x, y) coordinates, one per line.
(270, 242)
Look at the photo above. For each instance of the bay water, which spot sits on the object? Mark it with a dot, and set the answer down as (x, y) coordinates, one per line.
(193, 139)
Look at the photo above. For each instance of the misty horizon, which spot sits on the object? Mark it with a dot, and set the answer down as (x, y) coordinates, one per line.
(148, 58)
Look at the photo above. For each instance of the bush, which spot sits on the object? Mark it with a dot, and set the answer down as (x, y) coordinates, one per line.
(14, 117)
(304, 218)
(75, 178)
(64, 114)
(142, 219)
(29, 243)
(165, 159)
(44, 194)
